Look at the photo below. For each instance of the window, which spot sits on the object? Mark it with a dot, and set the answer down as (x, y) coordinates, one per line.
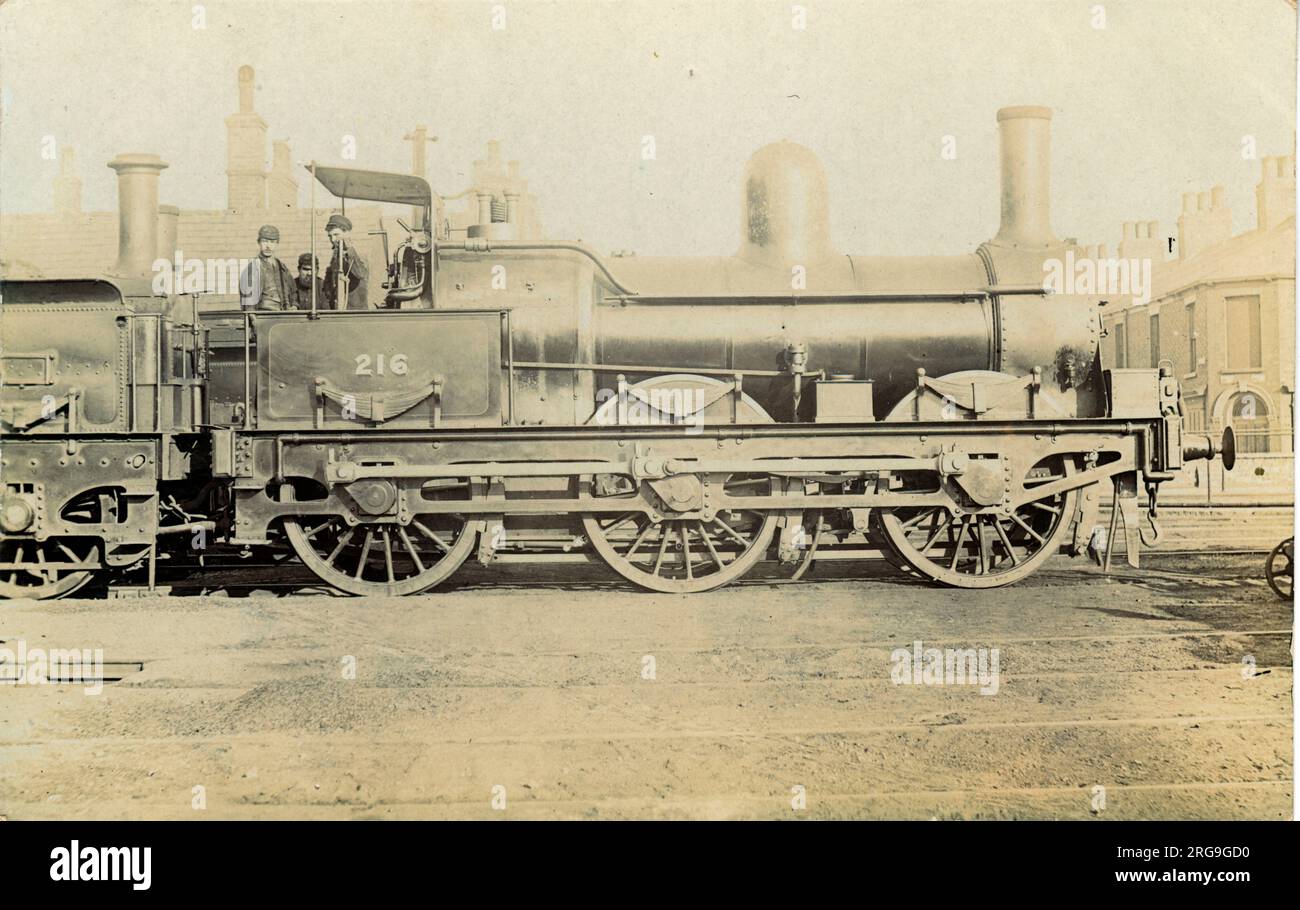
(1121, 347)
(1243, 333)
(1250, 420)
(1191, 337)
(1155, 340)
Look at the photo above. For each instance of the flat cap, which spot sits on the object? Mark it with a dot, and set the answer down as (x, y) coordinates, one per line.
(338, 221)
(268, 232)
(306, 259)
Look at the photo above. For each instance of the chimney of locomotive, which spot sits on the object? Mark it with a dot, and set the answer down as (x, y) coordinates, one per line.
(784, 215)
(137, 209)
(1026, 134)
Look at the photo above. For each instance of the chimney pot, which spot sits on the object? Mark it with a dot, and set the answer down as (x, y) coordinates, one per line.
(1025, 143)
(245, 89)
(137, 206)
(1217, 197)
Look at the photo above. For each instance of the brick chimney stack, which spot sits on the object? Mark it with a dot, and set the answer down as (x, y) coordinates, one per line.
(1275, 192)
(1142, 240)
(281, 186)
(67, 185)
(245, 151)
(1205, 222)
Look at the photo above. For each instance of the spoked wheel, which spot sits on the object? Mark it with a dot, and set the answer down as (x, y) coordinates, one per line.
(985, 549)
(1278, 569)
(384, 558)
(388, 556)
(687, 555)
(46, 568)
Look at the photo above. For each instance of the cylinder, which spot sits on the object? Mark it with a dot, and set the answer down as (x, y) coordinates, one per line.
(137, 207)
(1025, 137)
(484, 208)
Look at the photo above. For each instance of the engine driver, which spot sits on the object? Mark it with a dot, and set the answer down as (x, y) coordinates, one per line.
(353, 272)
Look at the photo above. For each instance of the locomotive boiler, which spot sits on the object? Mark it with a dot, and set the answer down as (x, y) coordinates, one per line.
(679, 420)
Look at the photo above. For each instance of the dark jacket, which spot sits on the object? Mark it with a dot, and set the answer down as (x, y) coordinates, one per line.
(304, 295)
(253, 282)
(357, 275)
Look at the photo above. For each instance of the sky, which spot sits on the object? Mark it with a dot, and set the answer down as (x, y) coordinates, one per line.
(1151, 99)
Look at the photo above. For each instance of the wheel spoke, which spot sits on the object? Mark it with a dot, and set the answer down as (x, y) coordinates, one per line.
(686, 550)
(365, 554)
(1002, 535)
(620, 522)
(1030, 531)
(639, 538)
(410, 548)
(957, 544)
(663, 548)
(913, 522)
(446, 547)
(44, 574)
(704, 535)
(977, 531)
(338, 548)
(947, 523)
(388, 556)
(730, 531)
(321, 527)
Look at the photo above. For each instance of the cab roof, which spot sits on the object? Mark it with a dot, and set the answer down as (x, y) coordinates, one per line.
(374, 186)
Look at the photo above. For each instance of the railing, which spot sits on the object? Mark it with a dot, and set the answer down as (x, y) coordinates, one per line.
(1262, 442)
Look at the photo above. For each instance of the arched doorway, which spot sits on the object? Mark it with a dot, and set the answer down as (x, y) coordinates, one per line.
(1249, 413)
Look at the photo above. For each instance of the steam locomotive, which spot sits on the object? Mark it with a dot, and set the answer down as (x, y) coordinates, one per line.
(678, 419)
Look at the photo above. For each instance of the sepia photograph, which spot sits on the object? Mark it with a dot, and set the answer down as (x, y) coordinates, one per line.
(638, 411)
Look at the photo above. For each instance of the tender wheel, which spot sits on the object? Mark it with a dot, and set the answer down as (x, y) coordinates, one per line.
(985, 549)
(47, 568)
(387, 557)
(1278, 569)
(686, 555)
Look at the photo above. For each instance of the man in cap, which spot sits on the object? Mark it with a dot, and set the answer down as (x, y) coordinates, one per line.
(267, 283)
(346, 267)
(307, 268)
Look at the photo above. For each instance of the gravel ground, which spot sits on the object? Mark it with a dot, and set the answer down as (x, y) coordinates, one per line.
(521, 693)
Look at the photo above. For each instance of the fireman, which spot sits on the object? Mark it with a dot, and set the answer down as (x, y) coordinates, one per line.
(266, 283)
(307, 269)
(353, 272)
